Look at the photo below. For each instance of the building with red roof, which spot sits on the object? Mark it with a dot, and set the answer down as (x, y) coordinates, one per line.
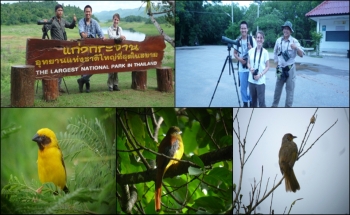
(332, 19)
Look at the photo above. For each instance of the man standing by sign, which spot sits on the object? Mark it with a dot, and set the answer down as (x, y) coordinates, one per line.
(57, 30)
(88, 28)
(285, 51)
(114, 32)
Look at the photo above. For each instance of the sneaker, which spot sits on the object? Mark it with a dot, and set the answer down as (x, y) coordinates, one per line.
(110, 89)
(115, 88)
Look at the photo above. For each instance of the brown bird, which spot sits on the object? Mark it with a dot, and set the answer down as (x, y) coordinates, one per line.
(313, 119)
(287, 157)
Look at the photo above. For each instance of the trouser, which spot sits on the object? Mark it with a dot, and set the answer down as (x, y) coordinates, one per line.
(290, 85)
(243, 77)
(257, 92)
(112, 79)
(86, 77)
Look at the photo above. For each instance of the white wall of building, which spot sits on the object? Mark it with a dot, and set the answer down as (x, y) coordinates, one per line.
(332, 23)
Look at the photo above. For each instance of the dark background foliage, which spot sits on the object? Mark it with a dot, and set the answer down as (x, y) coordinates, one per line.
(205, 23)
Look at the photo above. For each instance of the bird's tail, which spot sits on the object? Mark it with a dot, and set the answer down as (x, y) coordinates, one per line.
(291, 181)
(158, 191)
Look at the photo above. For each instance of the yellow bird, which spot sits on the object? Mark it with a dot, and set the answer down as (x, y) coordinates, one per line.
(51, 166)
(171, 146)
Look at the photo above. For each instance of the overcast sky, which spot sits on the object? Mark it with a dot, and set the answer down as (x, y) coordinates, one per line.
(240, 3)
(322, 173)
(98, 6)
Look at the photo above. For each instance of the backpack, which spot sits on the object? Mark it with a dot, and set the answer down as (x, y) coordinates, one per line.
(250, 41)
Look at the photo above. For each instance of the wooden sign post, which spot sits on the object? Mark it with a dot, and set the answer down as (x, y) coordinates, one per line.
(57, 58)
(22, 86)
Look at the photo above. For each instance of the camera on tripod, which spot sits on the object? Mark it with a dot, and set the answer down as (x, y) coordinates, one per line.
(230, 65)
(45, 27)
(229, 41)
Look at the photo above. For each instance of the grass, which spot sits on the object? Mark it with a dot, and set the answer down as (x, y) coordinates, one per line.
(13, 47)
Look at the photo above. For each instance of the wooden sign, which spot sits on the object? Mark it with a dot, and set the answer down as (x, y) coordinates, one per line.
(58, 58)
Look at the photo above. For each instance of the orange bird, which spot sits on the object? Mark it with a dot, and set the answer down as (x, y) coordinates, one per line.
(171, 146)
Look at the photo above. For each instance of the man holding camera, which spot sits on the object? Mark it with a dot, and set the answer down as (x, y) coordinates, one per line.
(57, 30)
(246, 42)
(88, 28)
(285, 51)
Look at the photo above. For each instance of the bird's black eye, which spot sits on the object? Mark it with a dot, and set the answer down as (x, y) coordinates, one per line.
(45, 140)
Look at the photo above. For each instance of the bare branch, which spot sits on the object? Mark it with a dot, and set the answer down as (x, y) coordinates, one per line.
(302, 146)
(255, 145)
(271, 211)
(249, 124)
(263, 198)
(318, 139)
(293, 204)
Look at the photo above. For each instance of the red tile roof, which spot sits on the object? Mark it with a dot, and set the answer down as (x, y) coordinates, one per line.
(330, 8)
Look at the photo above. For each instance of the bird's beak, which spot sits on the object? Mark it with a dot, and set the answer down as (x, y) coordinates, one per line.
(180, 132)
(294, 136)
(36, 138)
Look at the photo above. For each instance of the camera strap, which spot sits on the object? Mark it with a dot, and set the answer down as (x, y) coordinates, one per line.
(88, 28)
(259, 56)
(287, 45)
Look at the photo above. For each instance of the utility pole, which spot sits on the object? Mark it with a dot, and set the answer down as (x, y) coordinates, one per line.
(258, 2)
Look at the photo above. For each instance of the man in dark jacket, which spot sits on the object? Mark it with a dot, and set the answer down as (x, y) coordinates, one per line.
(57, 30)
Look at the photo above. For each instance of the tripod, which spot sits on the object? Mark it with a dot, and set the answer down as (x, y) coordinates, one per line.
(230, 66)
(44, 29)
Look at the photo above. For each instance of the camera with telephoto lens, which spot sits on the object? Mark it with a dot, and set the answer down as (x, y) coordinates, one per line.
(245, 58)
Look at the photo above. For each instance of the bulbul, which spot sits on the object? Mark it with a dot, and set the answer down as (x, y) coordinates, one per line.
(171, 146)
(287, 157)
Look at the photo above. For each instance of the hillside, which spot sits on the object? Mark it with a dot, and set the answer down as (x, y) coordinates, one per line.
(31, 12)
(104, 16)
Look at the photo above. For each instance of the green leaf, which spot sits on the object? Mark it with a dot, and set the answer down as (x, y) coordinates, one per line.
(195, 159)
(194, 171)
(212, 204)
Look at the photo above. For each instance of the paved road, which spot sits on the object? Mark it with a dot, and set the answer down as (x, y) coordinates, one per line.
(321, 82)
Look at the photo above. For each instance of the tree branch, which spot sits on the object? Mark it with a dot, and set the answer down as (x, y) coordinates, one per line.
(209, 158)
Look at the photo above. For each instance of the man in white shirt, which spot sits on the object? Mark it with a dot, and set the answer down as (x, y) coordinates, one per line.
(245, 44)
(285, 51)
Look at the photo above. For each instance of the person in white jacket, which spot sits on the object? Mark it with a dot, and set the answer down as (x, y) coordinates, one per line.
(114, 32)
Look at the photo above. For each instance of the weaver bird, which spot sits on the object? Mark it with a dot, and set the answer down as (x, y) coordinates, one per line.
(287, 157)
(171, 146)
(51, 166)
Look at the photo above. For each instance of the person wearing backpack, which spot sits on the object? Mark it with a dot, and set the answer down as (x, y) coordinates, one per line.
(245, 43)
(258, 64)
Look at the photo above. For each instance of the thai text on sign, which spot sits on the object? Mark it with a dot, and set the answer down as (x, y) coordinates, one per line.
(57, 58)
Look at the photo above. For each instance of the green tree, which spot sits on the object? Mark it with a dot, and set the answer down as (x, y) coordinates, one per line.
(204, 174)
(165, 7)
(317, 36)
